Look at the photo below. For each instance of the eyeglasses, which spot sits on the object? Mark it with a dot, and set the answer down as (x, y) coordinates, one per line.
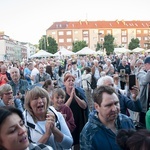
(8, 93)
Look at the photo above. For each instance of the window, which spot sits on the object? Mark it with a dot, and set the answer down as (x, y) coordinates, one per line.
(61, 40)
(69, 47)
(145, 31)
(75, 39)
(101, 32)
(69, 40)
(124, 39)
(124, 32)
(85, 32)
(145, 38)
(86, 39)
(138, 31)
(139, 38)
(68, 33)
(75, 32)
(60, 33)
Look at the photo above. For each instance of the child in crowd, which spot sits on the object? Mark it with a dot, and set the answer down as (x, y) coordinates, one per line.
(58, 99)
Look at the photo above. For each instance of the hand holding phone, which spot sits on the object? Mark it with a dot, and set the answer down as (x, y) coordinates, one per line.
(132, 81)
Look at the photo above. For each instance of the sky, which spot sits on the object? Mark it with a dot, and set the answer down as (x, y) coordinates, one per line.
(28, 20)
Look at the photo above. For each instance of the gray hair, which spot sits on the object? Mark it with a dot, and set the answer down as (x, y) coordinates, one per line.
(14, 68)
(5, 88)
(101, 81)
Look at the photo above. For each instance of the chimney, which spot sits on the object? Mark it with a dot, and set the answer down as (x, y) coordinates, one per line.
(86, 21)
(117, 21)
(80, 22)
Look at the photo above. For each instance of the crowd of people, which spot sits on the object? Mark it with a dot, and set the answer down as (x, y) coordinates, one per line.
(75, 103)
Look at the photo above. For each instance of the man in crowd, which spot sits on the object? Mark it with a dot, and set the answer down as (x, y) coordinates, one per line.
(18, 85)
(104, 122)
(143, 77)
(132, 102)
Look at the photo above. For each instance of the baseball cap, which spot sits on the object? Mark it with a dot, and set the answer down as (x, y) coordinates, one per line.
(147, 60)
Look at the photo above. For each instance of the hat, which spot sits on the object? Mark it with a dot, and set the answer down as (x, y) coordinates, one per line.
(147, 60)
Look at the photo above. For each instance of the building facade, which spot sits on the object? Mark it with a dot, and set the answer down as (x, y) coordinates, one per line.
(14, 50)
(93, 32)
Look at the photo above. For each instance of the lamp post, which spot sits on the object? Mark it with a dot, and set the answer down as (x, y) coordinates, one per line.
(99, 40)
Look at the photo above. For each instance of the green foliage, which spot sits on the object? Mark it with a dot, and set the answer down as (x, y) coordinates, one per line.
(78, 45)
(48, 43)
(98, 46)
(52, 46)
(108, 44)
(134, 43)
(42, 43)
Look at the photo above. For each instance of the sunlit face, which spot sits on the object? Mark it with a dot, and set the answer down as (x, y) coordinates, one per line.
(39, 106)
(109, 109)
(13, 133)
(58, 101)
(15, 74)
(7, 96)
(69, 83)
(41, 68)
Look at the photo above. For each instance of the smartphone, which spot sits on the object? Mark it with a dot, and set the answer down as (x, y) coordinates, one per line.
(122, 71)
(132, 81)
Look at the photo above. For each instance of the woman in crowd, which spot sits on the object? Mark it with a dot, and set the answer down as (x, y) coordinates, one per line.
(7, 98)
(134, 140)
(44, 123)
(13, 133)
(75, 99)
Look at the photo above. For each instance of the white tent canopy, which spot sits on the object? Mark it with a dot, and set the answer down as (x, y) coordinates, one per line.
(122, 50)
(86, 51)
(148, 50)
(99, 52)
(138, 50)
(41, 53)
(64, 52)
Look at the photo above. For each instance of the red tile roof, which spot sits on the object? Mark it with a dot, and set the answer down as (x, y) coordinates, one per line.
(99, 24)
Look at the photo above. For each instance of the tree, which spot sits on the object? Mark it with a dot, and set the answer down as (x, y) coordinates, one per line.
(48, 43)
(78, 45)
(134, 43)
(98, 46)
(52, 45)
(108, 43)
(43, 43)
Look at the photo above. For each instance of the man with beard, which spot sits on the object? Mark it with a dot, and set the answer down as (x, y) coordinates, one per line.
(100, 131)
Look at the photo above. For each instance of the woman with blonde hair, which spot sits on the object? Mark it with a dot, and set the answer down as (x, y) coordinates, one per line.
(44, 123)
